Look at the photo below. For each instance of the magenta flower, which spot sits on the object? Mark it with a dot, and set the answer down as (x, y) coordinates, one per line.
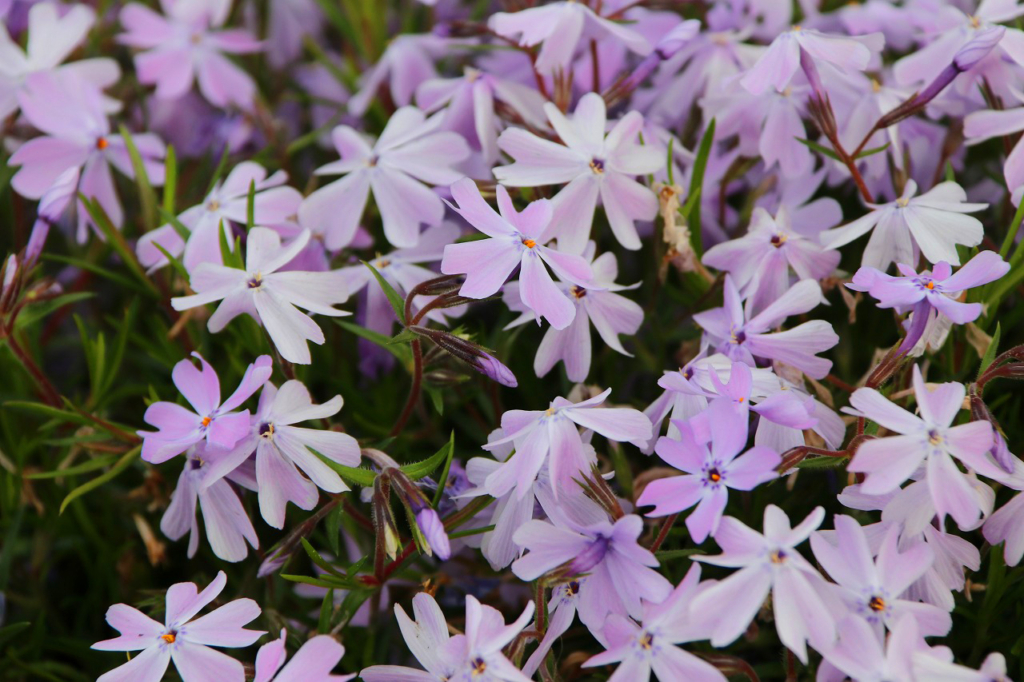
(874, 588)
(409, 152)
(710, 471)
(931, 294)
(558, 28)
(760, 261)
(228, 527)
(639, 649)
(187, 45)
(619, 572)
(594, 164)
(930, 441)
(70, 113)
(179, 428)
(313, 662)
(600, 304)
(268, 296)
(781, 60)
(185, 641)
(274, 204)
(516, 239)
(933, 224)
(742, 339)
(768, 563)
(551, 436)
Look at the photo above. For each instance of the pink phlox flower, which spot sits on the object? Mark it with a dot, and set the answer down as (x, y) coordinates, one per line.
(517, 239)
(652, 644)
(186, 44)
(270, 297)
(930, 441)
(313, 662)
(227, 205)
(407, 63)
(860, 654)
(594, 164)
(216, 422)
(933, 223)
(289, 23)
(410, 151)
(180, 638)
(807, 216)
(984, 125)
(1007, 523)
(742, 339)
(930, 667)
(599, 303)
(760, 262)
(558, 28)
(76, 134)
(768, 563)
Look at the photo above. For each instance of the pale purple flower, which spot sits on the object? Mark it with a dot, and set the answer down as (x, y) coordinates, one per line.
(709, 471)
(517, 239)
(768, 563)
(599, 303)
(781, 60)
(930, 441)
(558, 28)
(932, 223)
(640, 649)
(52, 36)
(595, 166)
(268, 296)
(313, 662)
(228, 527)
(77, 135)
(188, 44)
(180, 638)
(227, 205)
(552, 437)
(216, 422)
(931, 294)
(409, 152)
(983, 125)
(562, 608)
(742, 339)
(430, 524)
(619, 572)
(407, 63)
(289, 22)
(860, 654)
(761, 260)
(926, 667)
(1007, 523)
(874, 589)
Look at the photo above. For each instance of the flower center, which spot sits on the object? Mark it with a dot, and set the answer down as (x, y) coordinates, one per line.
(646, 641)
(256, 282)
(975, 22)
(572, 588)
(479, 667)
(778, 557)
(169, 637)
(529, 243)
(196, 38)
(267, 430)
(778, 240)
(597, 165)
(714, 475)
(688, 373)
(382, 263)
(738, 337)
(929, 285)
(578, 292)
(903, 202)
(934, 437)
(876, 604)
(101, 143)
(206, 421)
(213, 205)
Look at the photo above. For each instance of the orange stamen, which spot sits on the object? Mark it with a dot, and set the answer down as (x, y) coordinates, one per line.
(930, 285)
(102, 143)
(206, 421)
(169, 637)
(529, 243)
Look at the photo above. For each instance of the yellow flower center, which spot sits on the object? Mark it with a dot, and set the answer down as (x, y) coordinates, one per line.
(876, 604)
(169, 637)
(529, 243)
(206, 422)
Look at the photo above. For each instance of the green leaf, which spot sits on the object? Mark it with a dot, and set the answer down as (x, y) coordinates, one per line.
(436, 399)
(700, 165)
(178, 266)
(875, 150)
(821, 463)
(471, 531)
(146, 194)
(405, 336)
(418, 470)
(84, 467)
(691, 202)
(1011, 235)
(443, 480)
(37, 311)
(116, 240)
(993, 348)
(170, 179)
(396, 301)
(400, 351)
(319, 560)
(93, 268)
(47, 411)
(351, 475)
(231, 258)
(250, 206)
(219, 171)
(328, 581)
(120, 466)
(332, 526)
(819, 148)
(326, 609)
(172, 220)
(13, 630)
(669, 554)
(668, 162)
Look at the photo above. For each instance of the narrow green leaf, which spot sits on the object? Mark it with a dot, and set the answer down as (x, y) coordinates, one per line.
(250, 206)
(93, 268)
(170, 179)
(328, 581)
(146, 194)
(231, 258)
(114, 471)
(821, 463)
(700, 165)
(691, 202)
(869, 152)
(819, 148)
(351, 475)
(319, 560)
(326, 609)
(34, 312)
(116, 240)
(404, 336)
(471, 531)
(173, 220)
(84, 467)
(13, 630)
(1011, 235)
(993, 348)
(332, 526)
(47, 411)
(950, 174)
(669, 554)
(394, 298)
(443, 480)
(178, 266)
(436, 399)
(400, 351)
(219, 171)
(668, 162)
(418, 470)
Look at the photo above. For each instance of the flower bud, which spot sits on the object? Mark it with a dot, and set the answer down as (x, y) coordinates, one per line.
(433, 530)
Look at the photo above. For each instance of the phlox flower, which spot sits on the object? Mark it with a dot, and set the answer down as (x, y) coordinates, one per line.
(639, 649)
(931, 294)
(551, 436)
(874, 588)
(180, 638)
(860, 654)
(407, 62)
(761, 260)
(268, 296)
(742, 339)
(226, 205)
(611, 314)
(768, 563)
(313, 662)
(228, 527)
(983, 125)
(69, 111)
(930, 441)
(52, 37)
(517, 238)
(928, 667)
(594, 164)
(1007, 523)
(558, 28)
(709, 471)
(932, 223)
(409, 152)
(216, 422)
(289, 22)
(187, 44)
